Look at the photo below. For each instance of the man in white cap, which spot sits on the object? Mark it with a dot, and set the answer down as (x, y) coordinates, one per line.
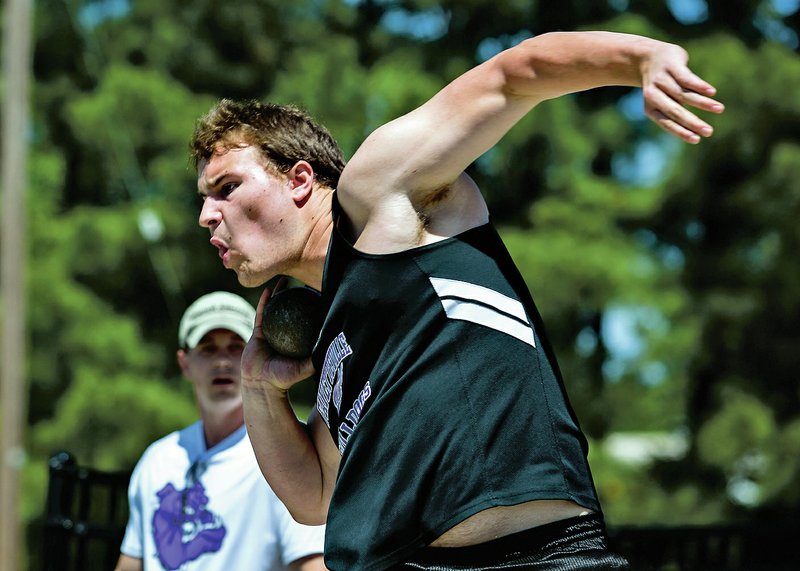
(197, 497)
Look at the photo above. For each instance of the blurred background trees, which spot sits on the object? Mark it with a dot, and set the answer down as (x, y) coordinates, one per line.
(667, 274)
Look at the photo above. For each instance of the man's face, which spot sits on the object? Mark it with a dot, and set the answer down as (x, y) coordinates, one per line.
(214, 368)
(251, 215)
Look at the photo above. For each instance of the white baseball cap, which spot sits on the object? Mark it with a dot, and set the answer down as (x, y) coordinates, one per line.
(218, 310)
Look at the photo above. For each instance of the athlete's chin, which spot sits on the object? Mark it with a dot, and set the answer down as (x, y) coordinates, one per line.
(249, 278)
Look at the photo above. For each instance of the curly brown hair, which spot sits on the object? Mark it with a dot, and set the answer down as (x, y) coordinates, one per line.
(284, 133)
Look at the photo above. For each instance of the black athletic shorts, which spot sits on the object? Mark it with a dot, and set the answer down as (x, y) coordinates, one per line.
(574, 544)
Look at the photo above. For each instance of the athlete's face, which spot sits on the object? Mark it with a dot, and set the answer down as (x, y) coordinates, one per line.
(214, 368)
(251, 215)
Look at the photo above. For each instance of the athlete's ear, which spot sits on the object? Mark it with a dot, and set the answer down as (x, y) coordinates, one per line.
(301, 181)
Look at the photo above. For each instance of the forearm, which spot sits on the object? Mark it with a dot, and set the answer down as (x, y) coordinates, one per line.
(428, 148)
(557, 63)
(286, 453)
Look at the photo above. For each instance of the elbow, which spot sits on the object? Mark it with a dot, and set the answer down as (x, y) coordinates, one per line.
(309, 515)
(308, 518)
(523, 71)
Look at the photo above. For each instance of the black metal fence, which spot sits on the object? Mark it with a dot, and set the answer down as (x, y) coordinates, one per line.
(85, 517)
(87, 511)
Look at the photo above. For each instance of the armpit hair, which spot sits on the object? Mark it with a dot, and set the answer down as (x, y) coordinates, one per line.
(431, 199)
(427, 203)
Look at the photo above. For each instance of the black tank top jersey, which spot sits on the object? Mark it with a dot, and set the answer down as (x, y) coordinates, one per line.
(442, 394)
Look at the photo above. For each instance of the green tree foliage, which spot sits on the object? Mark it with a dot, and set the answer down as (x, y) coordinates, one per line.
(731, 211)
(689, 251)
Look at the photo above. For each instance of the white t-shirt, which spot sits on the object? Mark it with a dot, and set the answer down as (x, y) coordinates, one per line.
(193, 508)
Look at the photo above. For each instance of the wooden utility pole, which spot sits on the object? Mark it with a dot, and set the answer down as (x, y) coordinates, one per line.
(16, 77)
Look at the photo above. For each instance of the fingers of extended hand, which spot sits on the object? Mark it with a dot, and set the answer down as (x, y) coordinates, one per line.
(689, 81)
(673, 127)
(686, 88)
(665, 106)
(700, 101)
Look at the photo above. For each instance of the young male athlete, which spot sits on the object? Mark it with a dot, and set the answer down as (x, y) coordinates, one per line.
(197, 498)
(442, 436)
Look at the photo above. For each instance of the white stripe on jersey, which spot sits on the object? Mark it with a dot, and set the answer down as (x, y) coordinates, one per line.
(478, 304)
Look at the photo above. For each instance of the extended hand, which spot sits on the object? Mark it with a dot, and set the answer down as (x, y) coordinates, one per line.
(669, 87)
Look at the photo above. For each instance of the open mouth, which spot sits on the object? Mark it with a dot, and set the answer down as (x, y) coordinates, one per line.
(223, 254)
(222, 381)
(222, 248)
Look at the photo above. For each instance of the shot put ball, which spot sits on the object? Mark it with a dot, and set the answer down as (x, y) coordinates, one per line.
(292, 321)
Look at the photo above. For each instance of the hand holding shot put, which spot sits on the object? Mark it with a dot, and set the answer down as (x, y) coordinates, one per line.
(442, 436)
(286, 327)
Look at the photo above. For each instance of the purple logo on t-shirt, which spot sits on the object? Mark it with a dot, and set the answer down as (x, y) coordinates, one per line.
(183, 529)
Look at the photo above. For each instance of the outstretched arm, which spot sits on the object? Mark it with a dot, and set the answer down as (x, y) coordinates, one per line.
(427, 149)
(299, 461)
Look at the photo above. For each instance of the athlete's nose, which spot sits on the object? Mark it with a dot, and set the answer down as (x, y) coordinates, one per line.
(210, 214)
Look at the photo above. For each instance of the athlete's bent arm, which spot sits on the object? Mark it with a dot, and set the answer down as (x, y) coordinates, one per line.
(426, 150)
(299, 461)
